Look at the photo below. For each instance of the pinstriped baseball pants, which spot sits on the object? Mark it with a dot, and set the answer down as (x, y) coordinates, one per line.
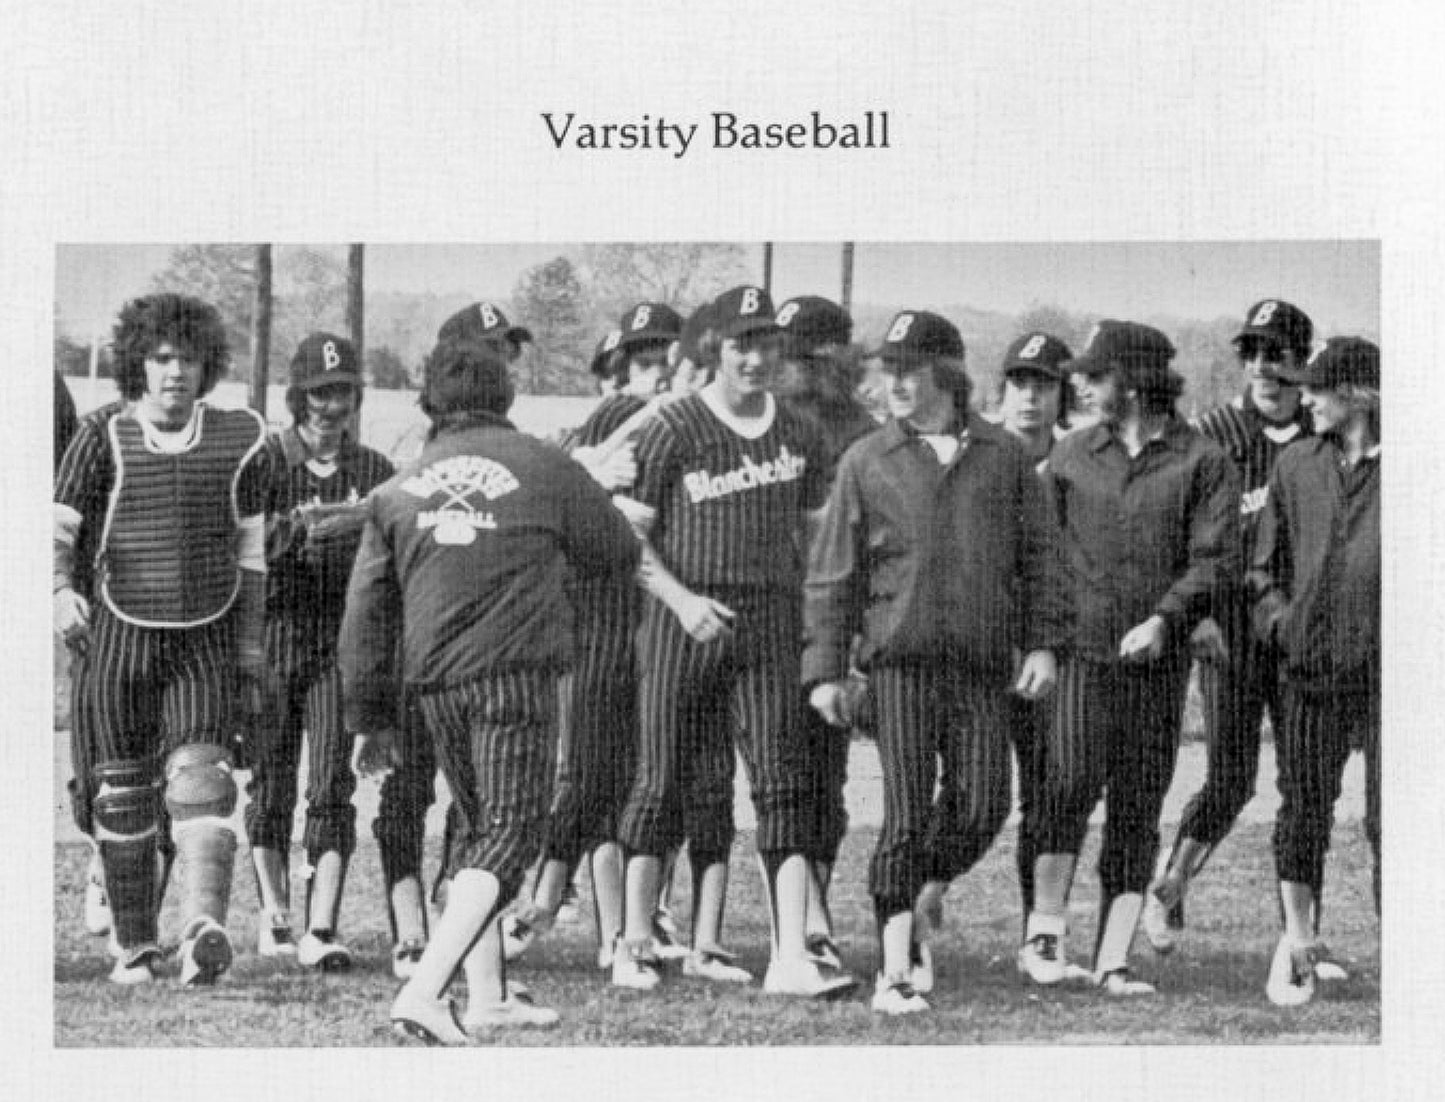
(1311, 749)
(694, 698)
(1116, 728)
(152, 690)
(312, 701)
(930, 717)
(599, 727)
(495, 739)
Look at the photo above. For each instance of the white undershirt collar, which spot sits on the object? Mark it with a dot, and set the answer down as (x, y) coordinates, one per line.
(749, 428)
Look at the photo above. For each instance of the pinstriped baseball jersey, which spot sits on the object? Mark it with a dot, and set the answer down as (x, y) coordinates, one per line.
(91, 501)
(608, 418)
(306, 591)
(727, 507)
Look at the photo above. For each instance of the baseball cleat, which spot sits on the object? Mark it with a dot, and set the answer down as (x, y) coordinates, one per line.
(667, 941)
(714, 964)
(808, 977)
(920, 968)
(274, 939)
(136, 966)
(430, 1021)
(1327, 968)
(1291, 974)
(1116, 982)
(894, 995)
(205, 952)
(1041, 960)
(520, 930)
(824, 950)
(635, 966)
(319, 949)
(97, 902)
(516, 1011)
(405, 956)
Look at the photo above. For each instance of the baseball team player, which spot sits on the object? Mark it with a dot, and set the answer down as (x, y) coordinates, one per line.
(1315, 575)
(817, 379)
(725, 480)
(465, 557)
(321, 476)
(1034, 403)
(599, 728)
(1238, 676)
(1149, 515)
(936, 547)
(177, 616)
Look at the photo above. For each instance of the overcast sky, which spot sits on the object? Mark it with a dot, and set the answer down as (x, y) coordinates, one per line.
(1337, 283)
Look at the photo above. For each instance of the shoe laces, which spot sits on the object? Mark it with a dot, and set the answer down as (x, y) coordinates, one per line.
(1046, 946)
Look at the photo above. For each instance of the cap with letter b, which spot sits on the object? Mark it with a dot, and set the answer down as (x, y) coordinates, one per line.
(1274, 321)
(811, 321)
(324, 359)
(1037, 353)
(647, 322)
(482, 321)
(1341, 361)
(743, 310)
(919, 335)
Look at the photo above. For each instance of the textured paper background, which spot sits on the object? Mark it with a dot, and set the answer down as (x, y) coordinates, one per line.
(402, 121)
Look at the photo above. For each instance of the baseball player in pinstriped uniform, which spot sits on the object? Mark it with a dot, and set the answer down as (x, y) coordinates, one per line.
(180, 577)
(1149, 515)
(1238, 677)
(466, 552)
(315, 519)
(1034, 403)
(937, 547)
(599, 728)
(725, 479)
(818, 380)
(1316, 577)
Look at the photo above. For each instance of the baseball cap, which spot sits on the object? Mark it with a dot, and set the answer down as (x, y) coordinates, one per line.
(1340, 361)
(1277, 322)
(649, 321)
(745, 309)
(919, 335)
(324, 359)
(605, 347)
(1037, 352)
(811, 320)
(1114, 341)
(693, 330)
(479, 321)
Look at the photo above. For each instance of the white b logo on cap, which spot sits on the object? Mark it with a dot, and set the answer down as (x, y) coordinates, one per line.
(1034, 346)
(489, 315)
(750, 302)
(901, 325)
(641, 317)
(787, 314)
(330, 356)
(1264, 313)
(612, 341)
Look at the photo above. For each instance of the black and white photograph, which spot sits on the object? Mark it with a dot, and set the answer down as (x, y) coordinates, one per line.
(780, 551)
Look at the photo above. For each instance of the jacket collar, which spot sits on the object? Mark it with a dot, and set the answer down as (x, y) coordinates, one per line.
(1176, 436)
(895, 434)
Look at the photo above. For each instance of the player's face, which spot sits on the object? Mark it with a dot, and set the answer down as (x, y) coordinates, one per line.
(1099, 395)
(915, 396)
(1271, 395)
(647, 373)
(328, 411)
(747, 363)
(173, 383)
(1030, 402)
(1327, 408)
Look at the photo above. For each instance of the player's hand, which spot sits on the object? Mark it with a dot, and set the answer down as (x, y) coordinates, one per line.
(1038, 675)
(71, 613)
(829, 700)
(374, 752)
(703, 618)
(1207, 642)
(1143, 642)
(325, 523)
(612, 469)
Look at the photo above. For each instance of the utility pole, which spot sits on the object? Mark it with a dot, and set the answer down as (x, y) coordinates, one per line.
(261, 331)
(355, 310)
(847, 296)
(768, 267)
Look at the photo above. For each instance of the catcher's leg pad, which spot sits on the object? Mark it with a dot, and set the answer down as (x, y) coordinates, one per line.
(201, 796)
(126, 810)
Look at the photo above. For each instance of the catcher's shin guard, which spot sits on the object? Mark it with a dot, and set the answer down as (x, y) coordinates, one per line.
(125, 813)
(201, 796)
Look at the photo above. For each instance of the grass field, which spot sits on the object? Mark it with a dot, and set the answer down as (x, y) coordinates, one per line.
(1211, 990)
